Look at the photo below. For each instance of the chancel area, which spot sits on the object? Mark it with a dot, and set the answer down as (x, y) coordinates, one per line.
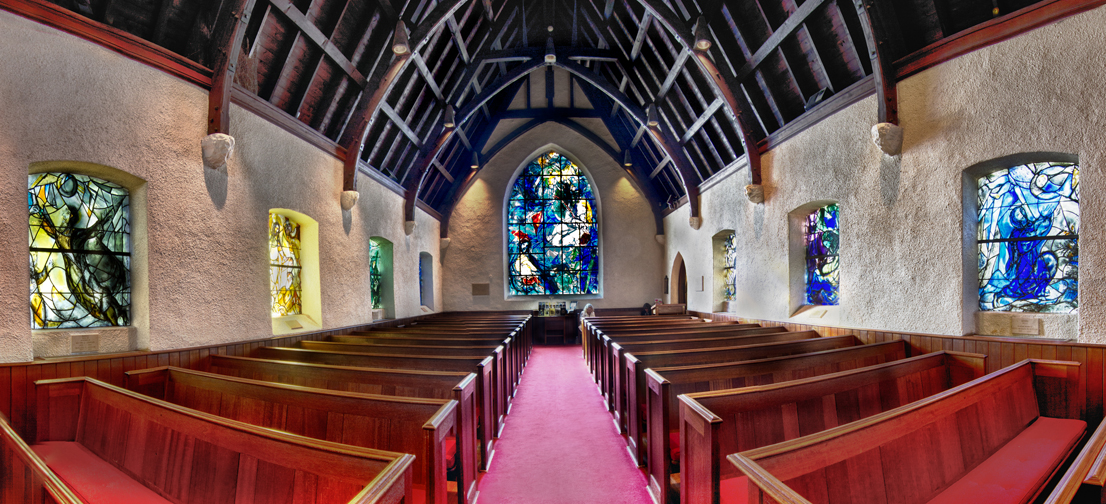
(510, 251)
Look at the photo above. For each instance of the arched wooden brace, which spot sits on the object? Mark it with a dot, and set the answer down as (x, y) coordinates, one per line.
(380, 84)
(740, 109)
(461, 185)
(873, 19)
(228, 37)
(415, 178)
(665, 140)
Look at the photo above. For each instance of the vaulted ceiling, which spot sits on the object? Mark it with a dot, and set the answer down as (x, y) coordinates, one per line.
(720, 78)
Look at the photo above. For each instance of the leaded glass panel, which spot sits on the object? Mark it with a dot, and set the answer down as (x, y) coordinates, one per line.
(1028, 238)
(553, 232)
(729, 270)
(284, 265)
(79, 240)
(376, 275)
(821, 256)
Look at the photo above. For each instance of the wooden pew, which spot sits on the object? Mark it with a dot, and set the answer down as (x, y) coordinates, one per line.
(660, 407)
(489, 392)
(422, 427)
(615, 360)
(90, 432)
(609, 365)
(996, 439)
(720, 422)
(24, 477)
(459, 386)
(619, 404)
(1084, 480)
(595, 327)
(634, 388)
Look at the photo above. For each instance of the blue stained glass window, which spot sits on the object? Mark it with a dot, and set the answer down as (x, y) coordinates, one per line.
(79, 251)
(553, 231)
(821, 256)
(1028, 237)
(730, 268)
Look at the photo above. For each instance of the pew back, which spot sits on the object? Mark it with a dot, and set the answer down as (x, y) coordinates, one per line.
(913, 453)
(399, 424)
(192, 457)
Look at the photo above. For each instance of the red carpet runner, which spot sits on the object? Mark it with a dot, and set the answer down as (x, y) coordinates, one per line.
(560, 444)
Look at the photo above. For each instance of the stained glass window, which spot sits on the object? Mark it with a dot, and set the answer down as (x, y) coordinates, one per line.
(1028, 237)
(552, 227)
(80, 257)
(284, 265)
(821, 256)
(729, 271)
(376, 275)
(422, 286)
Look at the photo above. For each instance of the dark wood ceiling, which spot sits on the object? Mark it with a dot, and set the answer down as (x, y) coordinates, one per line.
(781, 65)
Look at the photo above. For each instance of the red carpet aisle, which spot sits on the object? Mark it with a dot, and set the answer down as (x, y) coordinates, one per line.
(560, 444)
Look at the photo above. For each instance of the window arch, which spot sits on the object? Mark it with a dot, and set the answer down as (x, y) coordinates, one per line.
(1028, 238)
(80, 251)
(552, 230)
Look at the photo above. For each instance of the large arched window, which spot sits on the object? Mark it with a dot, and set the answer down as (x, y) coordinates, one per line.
(552, 228)
(1028, 238)
(80, 251)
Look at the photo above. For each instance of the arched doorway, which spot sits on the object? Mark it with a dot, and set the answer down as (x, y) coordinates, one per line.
(679, 281)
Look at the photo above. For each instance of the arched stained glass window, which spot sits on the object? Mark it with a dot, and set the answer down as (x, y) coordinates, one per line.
(285, 283)
(729, 268)
(80, 252)
(821, 256)
(376, 275)
(553, 231)
(1028, 237)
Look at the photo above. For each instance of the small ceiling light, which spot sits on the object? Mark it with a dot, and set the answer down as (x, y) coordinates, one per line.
(399, 40)
(550, 52)
(449, 121)
(651, 116)
(702, 34)
(626, 161)
(475, 161)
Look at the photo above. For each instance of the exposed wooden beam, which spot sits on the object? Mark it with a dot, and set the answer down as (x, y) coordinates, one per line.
(401, 124)
(444, 10)
(670, 79)
(228, 35)
(424, 71)
(660, 166)
(531, 113)
(701, 120)
(416, 177)
(642, 30)
(443, 171)
(790, 25)
(740, 108)
(876, 28)
(309, 31)
(458, 39)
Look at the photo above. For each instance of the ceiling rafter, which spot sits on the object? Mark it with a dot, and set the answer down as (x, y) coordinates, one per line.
(377, 87)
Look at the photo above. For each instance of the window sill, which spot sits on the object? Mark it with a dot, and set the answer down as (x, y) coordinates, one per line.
(817, 315)
(49, 343)
(290, 324)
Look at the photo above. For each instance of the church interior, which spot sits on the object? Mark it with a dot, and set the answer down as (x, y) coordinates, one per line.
(355, 250)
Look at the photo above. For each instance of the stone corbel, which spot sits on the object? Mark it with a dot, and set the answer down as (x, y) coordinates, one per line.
(217, 149)
(349, 199)
(888, 137)
(408, 227)
(755, 193)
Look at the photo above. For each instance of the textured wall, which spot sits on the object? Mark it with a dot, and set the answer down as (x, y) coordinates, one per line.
(207, 231)
(901, 218)
(630, 254)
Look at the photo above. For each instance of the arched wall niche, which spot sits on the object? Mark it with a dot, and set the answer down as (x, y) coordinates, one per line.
(631, 260)
(1001, 323)
(136, 336)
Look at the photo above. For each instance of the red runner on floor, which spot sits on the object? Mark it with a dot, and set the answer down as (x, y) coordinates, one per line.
(559, 444)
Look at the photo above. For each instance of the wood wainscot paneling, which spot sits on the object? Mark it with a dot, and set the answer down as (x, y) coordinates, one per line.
(17, 380)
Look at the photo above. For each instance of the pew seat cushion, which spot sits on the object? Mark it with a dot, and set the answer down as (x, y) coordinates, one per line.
(734, 490)
(94, 479)
(1018, 470)
(674, 445)
(450, 451)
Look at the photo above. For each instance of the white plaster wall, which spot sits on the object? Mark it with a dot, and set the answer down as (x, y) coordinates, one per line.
(207, 231)
(901, 219)
(630, 254)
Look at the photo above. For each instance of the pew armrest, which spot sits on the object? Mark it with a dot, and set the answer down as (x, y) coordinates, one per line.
(764, 483)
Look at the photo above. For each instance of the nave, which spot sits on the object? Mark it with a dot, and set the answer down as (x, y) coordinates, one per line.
(559, 445)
